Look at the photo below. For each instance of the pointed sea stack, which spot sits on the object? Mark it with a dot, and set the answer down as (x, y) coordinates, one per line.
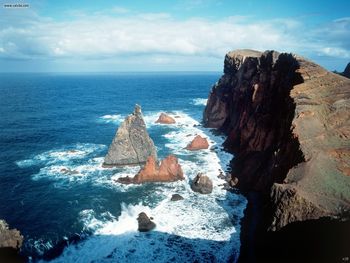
(131, 145)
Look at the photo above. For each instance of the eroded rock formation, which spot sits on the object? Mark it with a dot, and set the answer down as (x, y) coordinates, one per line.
(169, 170)
(131, 145)
(198, 143)
(165, 119)
(287, 123)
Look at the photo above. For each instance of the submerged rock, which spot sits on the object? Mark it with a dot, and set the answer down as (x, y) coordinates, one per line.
(202, 184)
(9, 238)
(176, 197)
(145, 223)
(131, 144)
(168, 171)
(198, 143)
(165, 119)
(68, 171)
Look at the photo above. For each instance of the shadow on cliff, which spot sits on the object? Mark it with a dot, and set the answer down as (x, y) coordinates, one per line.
(323, 240)
(10, 255)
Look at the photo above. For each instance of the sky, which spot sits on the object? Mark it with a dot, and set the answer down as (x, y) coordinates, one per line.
(167, 35)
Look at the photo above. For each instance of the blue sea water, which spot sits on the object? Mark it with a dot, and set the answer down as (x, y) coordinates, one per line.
(51, 123)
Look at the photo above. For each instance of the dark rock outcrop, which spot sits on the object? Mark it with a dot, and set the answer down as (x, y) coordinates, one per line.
(287, 123)
(176, 197)
(202, 184)
(145, 223)
(346, 72)
(169, 170)
(131, 144)
(198, 143)
(165, 119)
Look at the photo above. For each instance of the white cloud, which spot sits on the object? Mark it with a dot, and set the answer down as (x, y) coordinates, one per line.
(143, 33)
(334, 52)
(105, 36)
(120, 10)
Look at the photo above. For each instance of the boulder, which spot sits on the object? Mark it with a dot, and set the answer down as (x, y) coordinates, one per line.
(145, 223)
(198, 143)
(9, 238)
(131, 145)
(165, 119)
(202, 184)
(176, 197)
(168, 171)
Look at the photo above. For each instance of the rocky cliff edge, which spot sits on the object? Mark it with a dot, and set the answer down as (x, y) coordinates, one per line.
(287, 123)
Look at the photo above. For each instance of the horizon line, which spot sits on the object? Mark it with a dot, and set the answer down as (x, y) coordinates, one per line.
(109, 72)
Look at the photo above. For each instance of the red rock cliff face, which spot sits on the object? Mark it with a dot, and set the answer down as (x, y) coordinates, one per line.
(287, 123)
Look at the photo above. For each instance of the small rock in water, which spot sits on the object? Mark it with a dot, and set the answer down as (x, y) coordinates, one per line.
(176, 197)
(198, 143)
(165, 119)
(145, 223)
(233, 182)
(202, 184)
(221, 175)
(68, 171)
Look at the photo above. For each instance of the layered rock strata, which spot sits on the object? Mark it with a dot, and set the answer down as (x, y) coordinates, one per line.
(287, 123)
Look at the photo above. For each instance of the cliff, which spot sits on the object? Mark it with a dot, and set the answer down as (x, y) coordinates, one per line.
(287, 123)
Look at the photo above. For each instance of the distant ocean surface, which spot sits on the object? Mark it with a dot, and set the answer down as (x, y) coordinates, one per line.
(51, 122)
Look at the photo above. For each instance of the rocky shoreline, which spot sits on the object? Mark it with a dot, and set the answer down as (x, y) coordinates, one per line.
(11, 241)
(287, 123)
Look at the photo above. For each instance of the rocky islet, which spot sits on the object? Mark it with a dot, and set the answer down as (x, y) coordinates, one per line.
(132, 144)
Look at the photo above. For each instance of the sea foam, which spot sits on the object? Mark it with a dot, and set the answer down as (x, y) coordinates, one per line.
(201, 227)
(112, 118)
(199, 101)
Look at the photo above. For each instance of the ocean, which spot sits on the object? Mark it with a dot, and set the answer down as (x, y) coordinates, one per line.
(51, 122)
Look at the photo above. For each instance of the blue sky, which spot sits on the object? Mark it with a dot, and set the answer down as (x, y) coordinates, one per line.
(168, 35)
